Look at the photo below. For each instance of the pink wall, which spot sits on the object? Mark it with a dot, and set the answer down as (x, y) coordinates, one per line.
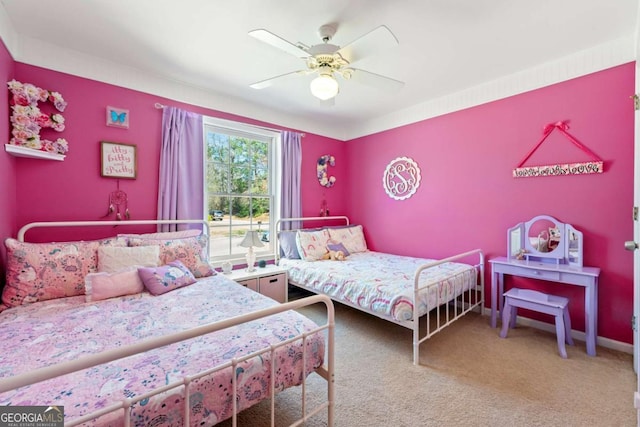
(74, 190)
(7, 163)
(468, 198)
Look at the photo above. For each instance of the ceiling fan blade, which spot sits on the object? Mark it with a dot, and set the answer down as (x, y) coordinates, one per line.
(278, 42)
(269, 82)
(376, 80)
(368, 44)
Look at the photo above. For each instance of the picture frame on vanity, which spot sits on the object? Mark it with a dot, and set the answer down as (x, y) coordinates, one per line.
(118, 160)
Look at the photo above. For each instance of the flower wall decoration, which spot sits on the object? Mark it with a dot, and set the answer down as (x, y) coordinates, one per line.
(27, 120)
(323, 164)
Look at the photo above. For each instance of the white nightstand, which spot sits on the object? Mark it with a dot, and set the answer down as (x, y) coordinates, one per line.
(270, 281)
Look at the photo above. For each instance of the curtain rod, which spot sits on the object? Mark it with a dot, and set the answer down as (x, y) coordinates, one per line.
(161, 106)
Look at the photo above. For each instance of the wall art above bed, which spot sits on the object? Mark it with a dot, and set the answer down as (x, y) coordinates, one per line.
(401, 178)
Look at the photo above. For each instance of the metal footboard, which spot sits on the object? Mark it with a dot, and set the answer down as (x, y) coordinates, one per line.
(453, 306)
(326, 371)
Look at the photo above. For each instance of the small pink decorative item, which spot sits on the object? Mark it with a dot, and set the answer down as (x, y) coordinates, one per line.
(27, 119)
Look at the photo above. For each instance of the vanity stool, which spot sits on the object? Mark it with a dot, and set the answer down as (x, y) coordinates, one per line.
(537, 301)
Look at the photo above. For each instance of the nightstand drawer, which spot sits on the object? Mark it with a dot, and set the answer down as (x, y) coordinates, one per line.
(274, 287)
(250, 283)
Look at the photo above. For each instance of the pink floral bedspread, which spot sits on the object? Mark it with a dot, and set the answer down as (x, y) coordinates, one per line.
(383, 283)
(64, 329)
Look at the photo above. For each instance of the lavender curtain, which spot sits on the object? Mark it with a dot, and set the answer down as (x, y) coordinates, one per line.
(290, 200)
(180, 191)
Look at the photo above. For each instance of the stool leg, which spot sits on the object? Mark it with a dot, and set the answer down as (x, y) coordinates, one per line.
(567, 325)
(560, 333)
(514, 314)
(506, 317)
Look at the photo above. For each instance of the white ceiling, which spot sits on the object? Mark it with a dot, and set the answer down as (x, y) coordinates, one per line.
(201, 47)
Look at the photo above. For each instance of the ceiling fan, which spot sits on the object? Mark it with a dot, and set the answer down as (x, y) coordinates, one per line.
(328, 60)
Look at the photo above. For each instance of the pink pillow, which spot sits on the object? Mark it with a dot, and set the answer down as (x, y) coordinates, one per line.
(43, 271)
(99, 286)
(190, 251)
(159, 280)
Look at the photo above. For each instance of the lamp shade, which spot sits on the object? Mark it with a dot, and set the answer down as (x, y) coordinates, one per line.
(251, 239)
(324, 87)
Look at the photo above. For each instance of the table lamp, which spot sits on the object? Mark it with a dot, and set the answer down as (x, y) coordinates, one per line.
(250, 240)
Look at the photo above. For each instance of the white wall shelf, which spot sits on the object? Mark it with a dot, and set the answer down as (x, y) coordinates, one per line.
(18, 151)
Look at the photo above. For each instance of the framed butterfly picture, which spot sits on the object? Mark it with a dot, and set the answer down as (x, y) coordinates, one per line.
(118, 117)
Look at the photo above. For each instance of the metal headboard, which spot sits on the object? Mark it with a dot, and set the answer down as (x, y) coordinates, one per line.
(48, 224)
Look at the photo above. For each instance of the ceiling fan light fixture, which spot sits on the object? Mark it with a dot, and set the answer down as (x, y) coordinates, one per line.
(324, 87)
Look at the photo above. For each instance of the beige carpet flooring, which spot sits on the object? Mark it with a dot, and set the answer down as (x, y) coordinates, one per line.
(468, 376)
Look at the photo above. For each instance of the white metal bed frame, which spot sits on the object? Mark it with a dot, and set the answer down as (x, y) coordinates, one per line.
(326, 371)
(444, 316)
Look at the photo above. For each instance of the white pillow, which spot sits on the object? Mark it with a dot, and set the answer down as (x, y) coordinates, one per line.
(351, 237)
(312, 245)
(122, 258)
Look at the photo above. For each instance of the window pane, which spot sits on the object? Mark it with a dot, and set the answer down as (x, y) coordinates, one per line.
(239, 150)
(240, 179)
(217, 147)
(217, 178)
(240, 209)
(260, 153)
(260, 183)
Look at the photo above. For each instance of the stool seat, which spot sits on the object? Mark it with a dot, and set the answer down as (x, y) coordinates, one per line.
(543, 303)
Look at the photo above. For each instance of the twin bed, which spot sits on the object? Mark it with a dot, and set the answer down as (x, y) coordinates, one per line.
(380, 284)
(192, 352)
(196, 349)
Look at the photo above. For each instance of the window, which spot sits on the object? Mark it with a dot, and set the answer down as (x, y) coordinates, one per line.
(241, 181)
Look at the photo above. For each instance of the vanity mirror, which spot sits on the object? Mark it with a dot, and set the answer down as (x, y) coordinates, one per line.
(545, 239)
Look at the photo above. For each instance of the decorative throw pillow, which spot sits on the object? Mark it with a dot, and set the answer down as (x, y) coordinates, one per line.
(190, 251)
(43, 271)
(335, 247)
(113, 258)
(99, 286)
(312, 245)
(159, 280)
(351, 237)
(288, 248)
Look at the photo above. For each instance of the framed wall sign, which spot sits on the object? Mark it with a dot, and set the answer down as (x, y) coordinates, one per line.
(118, 160)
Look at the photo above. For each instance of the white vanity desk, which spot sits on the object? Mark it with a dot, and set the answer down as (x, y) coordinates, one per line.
(560, 262)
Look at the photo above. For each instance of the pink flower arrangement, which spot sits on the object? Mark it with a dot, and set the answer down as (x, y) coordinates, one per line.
(27, 119)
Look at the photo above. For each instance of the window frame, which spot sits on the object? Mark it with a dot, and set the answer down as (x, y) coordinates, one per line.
(273, 138)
